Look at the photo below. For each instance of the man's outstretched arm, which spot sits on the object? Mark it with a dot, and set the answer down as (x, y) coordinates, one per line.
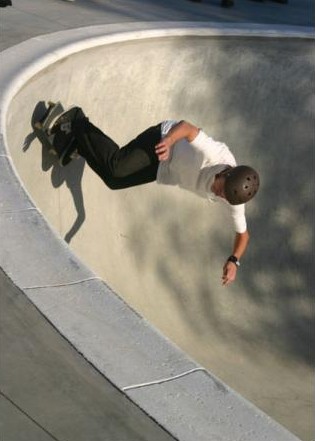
(182, 130)
(230, 268)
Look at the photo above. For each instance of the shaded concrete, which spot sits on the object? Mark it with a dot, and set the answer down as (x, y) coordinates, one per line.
(49, 392)
(167, 252)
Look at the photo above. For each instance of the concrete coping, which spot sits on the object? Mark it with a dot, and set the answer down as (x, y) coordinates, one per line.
(170, 387)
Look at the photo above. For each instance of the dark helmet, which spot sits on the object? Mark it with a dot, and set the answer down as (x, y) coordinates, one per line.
(241, 184)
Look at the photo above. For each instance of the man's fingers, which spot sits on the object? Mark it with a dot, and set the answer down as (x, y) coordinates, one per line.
(162, 155)
(228, 275)
(159, 147)
(162, 151)
(226, 282)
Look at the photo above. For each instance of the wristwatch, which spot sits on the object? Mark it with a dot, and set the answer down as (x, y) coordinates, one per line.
(234, 259)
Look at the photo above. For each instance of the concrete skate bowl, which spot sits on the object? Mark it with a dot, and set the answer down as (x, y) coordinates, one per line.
(162, 249)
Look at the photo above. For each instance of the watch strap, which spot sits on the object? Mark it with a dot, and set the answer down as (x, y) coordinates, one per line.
(235, 260)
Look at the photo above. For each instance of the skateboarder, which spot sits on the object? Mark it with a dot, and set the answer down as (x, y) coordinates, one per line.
(171, 153)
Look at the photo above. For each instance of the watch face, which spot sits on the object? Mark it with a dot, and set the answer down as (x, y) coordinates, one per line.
(234, 260)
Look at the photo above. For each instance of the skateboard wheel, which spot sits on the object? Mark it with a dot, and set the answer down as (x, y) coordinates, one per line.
(38, 125)
(51, 104)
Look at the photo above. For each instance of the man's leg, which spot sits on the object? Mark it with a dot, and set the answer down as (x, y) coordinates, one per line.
(134, 164)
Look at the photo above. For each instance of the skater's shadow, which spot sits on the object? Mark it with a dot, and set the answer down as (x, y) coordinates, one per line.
(71, 175)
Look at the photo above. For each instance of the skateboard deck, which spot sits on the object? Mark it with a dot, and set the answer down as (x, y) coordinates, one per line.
(43, 126)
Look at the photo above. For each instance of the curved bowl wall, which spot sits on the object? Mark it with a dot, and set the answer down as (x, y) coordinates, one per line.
(161, 248)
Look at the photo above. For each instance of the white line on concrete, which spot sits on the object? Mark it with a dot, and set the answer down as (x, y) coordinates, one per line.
(164, 380)
(20, 210)
(58, 285)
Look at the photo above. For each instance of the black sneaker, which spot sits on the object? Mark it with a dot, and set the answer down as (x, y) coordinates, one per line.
(62, 136)
(4, 3)
(227, 3)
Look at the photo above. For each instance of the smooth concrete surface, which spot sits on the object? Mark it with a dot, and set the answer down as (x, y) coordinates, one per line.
(29, 18)
(164, 259)
(49, 392)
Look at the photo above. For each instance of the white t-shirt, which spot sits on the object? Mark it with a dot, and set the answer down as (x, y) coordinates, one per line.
(193, 166)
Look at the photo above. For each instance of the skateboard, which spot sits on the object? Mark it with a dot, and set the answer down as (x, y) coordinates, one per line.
(43, 126)
(44, 131)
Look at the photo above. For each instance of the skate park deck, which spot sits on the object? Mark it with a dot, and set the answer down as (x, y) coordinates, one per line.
(69, 189)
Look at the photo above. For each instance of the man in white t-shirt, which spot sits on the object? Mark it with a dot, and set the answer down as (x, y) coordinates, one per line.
(194, 161)
(171, 153)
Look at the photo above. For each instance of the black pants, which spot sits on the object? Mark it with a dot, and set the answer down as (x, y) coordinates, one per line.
(134, 164)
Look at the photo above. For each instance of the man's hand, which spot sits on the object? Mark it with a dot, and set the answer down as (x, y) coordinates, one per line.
(230, 268)
(229, 273)
(182, 130)
(162, 149)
